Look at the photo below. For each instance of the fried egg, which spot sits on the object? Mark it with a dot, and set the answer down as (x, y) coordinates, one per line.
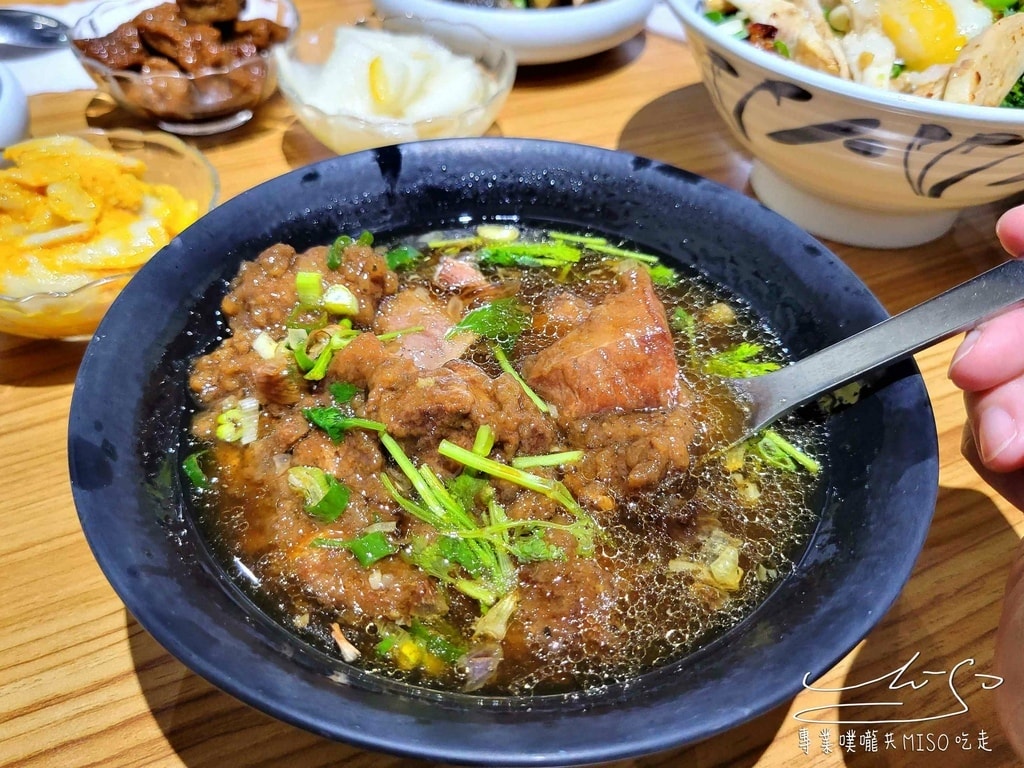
(928, 32)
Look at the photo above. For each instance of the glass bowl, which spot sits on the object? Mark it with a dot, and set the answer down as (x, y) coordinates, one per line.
(209, 99)
(307, 56)
(75, 312)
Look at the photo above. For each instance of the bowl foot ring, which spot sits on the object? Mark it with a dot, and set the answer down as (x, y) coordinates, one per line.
(843, 223)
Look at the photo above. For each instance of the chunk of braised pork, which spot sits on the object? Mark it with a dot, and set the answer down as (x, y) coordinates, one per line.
(263, 32)
(455, 274)
(356, 362)
(453, 402)
(192, 47)
(559, 314)
(621, 357)
(278, 381)
(430, 347)
(283, 540)
(225, 372)
(264, 296)
(210, 11)
(365, 272)
(121, 49)
(627, 452)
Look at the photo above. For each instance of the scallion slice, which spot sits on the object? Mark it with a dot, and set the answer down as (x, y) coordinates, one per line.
(324, 498)
(310, 288)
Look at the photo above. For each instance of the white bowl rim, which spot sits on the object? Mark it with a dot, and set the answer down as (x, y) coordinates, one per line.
(524, 19)
(918, 106)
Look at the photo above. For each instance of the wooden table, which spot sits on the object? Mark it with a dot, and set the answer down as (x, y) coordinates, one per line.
(82, 684)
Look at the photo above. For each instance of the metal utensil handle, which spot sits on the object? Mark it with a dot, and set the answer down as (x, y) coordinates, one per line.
(896, 338)
(30, 28)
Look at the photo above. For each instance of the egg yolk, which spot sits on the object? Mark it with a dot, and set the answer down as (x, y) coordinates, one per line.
(923, 31)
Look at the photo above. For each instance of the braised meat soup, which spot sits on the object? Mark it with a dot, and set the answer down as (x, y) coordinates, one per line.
(491, 460)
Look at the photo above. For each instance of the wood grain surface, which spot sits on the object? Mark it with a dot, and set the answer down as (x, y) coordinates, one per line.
(82, 684)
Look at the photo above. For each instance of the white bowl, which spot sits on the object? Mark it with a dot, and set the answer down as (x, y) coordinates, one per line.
(848, 162)
(539, 36)
(13, 108)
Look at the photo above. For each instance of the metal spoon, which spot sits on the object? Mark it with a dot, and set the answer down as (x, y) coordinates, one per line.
(773, 395)
(26, 29)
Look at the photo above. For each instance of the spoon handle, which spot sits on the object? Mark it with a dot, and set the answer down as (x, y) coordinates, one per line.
(777, 393)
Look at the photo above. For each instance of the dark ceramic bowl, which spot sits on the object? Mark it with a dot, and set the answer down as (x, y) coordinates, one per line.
(130, 410)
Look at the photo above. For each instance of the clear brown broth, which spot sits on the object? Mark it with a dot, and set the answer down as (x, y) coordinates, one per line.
(667, 614)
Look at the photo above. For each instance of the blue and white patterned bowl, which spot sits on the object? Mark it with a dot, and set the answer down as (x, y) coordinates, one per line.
(848, 162)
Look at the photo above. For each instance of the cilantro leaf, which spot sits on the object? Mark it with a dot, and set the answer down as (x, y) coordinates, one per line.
(738, 362)
(502, 320)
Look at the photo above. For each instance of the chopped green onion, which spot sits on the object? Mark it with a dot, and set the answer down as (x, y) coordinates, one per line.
(588, 240)
(337, 251)
(547, 460)
(503, 233)
(324, 498)
(229, 425)
(339, 300)
(194, 470)
(611, 250)
(435, 643)
(367, 549)
(318, 369)
(265, 346)
(310, 288)
(250, 408)
(457, 243)
(386, 644)
(553, 254)
(365, 238)
(781, 48)
(239, 424)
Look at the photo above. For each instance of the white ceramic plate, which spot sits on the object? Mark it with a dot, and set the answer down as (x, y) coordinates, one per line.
(539, 36)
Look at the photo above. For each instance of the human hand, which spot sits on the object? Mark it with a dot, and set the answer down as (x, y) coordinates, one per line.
(989, 367)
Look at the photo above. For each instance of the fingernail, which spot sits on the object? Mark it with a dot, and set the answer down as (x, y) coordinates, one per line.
(997, 430)
(965, 346)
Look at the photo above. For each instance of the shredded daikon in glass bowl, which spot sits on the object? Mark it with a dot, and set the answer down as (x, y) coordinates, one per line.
(385, 80)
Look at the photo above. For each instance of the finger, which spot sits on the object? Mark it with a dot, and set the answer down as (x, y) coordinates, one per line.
(997, 422)
(990, 354)
(1010, 229)
(1009, 485)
